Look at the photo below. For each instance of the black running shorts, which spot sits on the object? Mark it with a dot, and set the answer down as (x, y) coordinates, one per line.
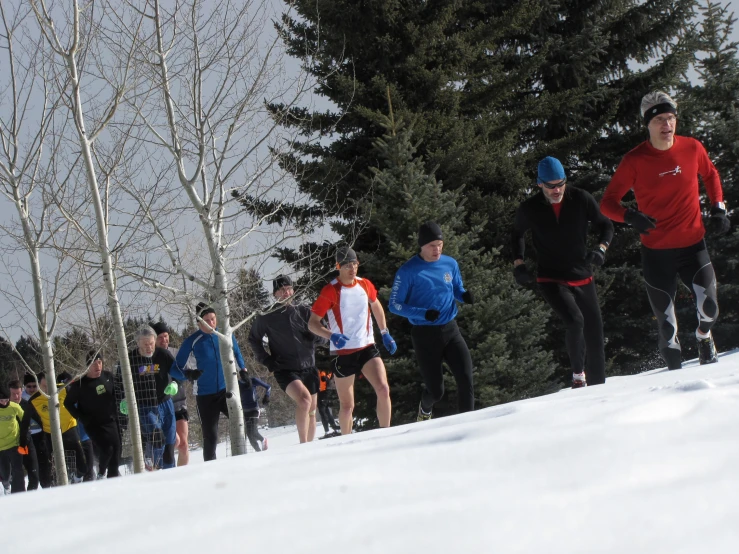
(352, 364)
(309, 377)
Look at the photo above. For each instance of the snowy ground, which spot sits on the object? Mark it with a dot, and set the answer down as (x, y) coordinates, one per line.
(648, 463)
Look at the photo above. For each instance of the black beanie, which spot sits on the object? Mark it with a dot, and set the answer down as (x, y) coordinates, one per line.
(202, 309)
(664, 107)
(281, 281)
(92, 355)
(159, 327)
(345, 255)
(28, 378)
(429, 232)
(4, 391)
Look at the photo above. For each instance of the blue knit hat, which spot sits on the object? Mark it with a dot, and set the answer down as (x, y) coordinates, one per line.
(550, 169)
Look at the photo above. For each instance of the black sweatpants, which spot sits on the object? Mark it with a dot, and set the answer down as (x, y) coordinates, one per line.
(11, 469)
(435, 344)
(30, 462)
(43, 456)
(324, 410)
(89, 451)
(107, 440)
(661, 269)
(72, 444)
(578, 308)
(210, 407)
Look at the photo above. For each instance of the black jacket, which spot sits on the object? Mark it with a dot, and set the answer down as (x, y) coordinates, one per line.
(560, 244)
(291, 344)
(93, 401)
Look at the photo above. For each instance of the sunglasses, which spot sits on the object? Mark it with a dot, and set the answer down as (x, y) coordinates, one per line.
(555, 185)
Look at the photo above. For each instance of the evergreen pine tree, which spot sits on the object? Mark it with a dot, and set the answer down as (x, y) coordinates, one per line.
(10, 365)
(28, 348)
(710, 113)
(489, 88)
(247, 297)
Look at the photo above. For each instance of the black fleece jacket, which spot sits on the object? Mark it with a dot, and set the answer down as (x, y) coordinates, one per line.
(291, 344)
(560, 244)
(93, 401)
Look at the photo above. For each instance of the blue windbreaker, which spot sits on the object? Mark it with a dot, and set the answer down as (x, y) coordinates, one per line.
(205, 348)
(420, 285)
(249, 400)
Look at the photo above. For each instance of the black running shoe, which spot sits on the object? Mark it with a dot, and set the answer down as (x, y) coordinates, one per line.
(707, 351)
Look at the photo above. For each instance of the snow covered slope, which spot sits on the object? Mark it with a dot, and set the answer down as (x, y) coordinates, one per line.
(648, 463)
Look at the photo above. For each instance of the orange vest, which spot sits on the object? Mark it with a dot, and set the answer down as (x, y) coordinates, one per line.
(325, 378)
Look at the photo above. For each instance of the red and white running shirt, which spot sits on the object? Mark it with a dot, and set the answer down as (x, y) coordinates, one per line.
(347, 309)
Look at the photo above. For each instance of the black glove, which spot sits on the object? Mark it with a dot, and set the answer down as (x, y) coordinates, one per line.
(468, 298)
(265, 400)
(432, 315)
(596, 257)
(269, 363)
(193, 374)
(244, 376)
(522, 275)
(717, 224)
(639, 221)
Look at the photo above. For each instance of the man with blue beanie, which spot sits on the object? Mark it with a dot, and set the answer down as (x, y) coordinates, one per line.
(558, 217)
(426, 291)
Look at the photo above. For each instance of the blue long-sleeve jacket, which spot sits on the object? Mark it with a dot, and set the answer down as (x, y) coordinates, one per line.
(420, 285)
(249, 400)
(204, 347)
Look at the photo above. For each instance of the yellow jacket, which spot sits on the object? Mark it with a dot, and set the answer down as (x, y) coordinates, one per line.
(39, 411)
(10, 418)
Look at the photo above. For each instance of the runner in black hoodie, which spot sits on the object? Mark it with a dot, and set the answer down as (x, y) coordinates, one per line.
(558, 217)
(291, 355)
(91, 399)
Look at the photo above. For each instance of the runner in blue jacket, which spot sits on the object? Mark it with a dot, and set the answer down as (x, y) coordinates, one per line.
(211, 393)
(426, 291)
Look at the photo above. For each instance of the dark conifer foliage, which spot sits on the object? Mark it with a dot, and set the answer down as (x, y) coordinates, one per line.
(710, 112)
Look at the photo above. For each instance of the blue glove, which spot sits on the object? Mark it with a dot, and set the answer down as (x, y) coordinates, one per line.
(339, 340)
(389, 343)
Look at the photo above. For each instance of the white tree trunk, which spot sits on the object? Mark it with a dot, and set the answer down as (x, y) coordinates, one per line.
(47, 352)
(228, 361)
(212, 231)
(107, 266)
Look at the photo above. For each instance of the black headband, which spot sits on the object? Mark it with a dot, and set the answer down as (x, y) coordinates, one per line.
(665, 107)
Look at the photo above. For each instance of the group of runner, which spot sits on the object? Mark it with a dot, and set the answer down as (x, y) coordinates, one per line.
(662, 172)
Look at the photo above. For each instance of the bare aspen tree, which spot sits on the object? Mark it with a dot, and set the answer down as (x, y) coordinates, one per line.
(211, 71)
(66, 30)
(26, 118)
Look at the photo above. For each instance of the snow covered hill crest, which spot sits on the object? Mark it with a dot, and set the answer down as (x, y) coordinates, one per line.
(648, 463)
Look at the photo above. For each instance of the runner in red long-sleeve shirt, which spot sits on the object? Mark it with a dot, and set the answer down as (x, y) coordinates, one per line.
(663, 173)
